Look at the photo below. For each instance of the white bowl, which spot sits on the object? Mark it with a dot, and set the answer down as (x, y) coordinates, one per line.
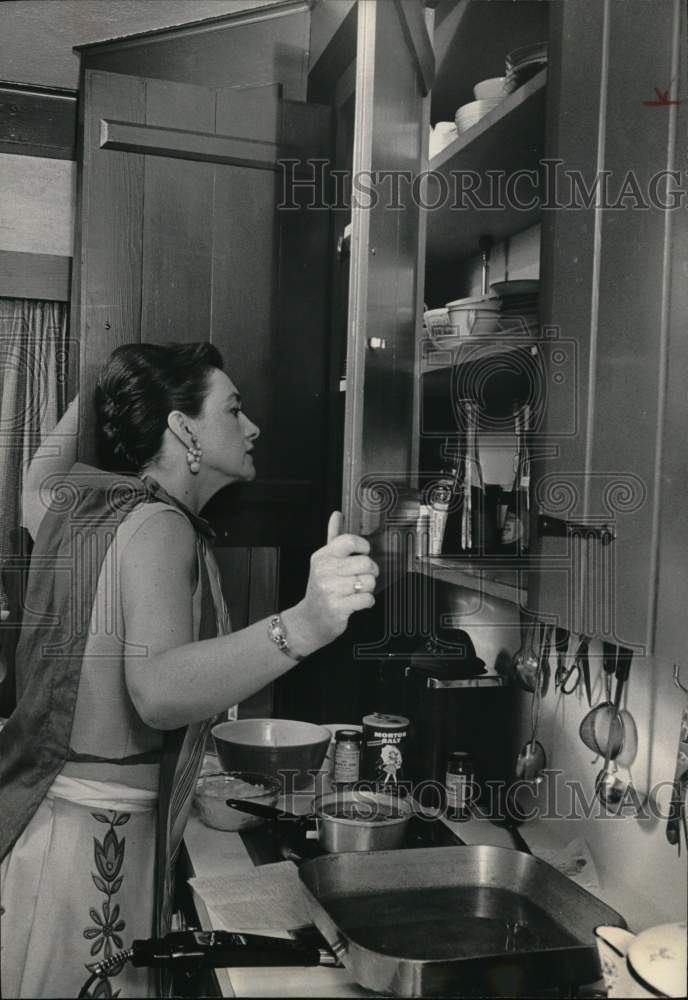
(441, 136)
(468, 114)
(475, 315)
(492, 87)
(436, 322)
(212, 791)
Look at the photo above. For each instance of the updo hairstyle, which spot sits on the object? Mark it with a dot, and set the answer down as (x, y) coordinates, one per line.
(138, 388)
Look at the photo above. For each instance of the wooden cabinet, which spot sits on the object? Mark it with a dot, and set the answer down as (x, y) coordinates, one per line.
(159, 253)
(608, 119)
(613, 299)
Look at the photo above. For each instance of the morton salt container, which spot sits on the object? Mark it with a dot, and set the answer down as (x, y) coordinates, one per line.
(383, 749)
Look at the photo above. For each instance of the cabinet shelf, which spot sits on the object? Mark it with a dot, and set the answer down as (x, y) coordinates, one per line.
(467, 350)
(508, 140)
(496, 576)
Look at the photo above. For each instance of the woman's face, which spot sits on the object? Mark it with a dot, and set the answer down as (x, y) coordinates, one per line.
(224, 432)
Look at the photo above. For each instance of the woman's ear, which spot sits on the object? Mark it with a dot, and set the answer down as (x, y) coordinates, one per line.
(179, 425)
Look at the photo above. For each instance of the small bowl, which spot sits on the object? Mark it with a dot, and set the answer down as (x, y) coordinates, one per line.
(436, 322)
(290, 751)
(492, 87)
(469, 114)
(474, 316)
(441, 136)
(212, 791)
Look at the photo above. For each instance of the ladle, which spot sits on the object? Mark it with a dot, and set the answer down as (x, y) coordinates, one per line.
(609, 788)
(532, 759)
(525, 662)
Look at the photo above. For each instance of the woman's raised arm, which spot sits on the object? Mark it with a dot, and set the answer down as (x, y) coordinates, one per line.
(174, 681)
(55, 455)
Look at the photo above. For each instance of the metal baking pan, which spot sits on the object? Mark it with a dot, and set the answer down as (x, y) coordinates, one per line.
(455, 921)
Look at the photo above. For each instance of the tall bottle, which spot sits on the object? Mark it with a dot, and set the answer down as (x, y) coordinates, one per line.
(516, 530)
(440, 498)
(464, 526)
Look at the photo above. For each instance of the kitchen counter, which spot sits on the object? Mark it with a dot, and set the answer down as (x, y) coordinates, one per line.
(213, 852)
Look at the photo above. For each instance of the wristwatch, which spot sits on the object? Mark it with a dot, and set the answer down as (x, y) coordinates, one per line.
(278, 634)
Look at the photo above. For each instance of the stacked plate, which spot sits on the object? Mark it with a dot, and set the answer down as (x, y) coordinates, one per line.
(520, 313)
(468, 114)
(524, 63)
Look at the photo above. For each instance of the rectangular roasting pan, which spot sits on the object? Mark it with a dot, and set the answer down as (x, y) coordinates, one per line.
(455, 921)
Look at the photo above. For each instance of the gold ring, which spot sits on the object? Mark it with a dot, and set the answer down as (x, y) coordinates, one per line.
(358, 586)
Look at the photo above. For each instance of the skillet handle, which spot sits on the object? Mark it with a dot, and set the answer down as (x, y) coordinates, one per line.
(257, 809)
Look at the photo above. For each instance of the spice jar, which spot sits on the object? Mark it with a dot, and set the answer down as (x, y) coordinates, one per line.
(459, 785)
(347, 756)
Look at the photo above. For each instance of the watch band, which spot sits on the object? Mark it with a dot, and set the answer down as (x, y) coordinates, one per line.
(278, 634)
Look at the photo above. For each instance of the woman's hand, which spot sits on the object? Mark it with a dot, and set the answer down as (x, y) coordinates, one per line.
(341, 581)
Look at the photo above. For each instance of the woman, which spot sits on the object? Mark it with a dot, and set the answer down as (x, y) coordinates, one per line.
(115, 684)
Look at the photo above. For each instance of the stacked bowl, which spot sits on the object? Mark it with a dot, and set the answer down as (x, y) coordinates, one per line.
(468, 114)
(474, 316)
(488, 94)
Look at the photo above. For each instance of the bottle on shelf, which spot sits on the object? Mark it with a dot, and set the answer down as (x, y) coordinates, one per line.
(463, 532)
(439, 499)
(516, 530)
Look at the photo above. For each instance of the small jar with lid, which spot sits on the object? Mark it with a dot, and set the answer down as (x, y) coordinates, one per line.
(459, 781)
(347, 757)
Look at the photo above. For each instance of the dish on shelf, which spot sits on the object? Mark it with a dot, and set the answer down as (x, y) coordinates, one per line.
(469, 114)
(493, 87)
(436, 322)
(520, 286)
(520, 314)
(441, 135)
(474, 316)
(524, 63)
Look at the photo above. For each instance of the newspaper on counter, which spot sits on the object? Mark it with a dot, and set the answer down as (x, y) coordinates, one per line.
(265, 899)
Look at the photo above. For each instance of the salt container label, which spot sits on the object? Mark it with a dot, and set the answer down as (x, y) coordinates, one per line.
(384, 748)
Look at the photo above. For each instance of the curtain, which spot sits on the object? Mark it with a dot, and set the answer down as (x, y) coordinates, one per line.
(33, 397)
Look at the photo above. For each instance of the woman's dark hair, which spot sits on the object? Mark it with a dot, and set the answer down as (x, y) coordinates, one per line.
(138, 388)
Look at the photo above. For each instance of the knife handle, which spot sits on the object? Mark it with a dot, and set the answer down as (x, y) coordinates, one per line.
(608, 657)
(673, 830)
(623, 666)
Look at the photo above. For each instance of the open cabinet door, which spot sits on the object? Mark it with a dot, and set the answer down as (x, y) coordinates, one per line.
(394, 70)
(181, 239)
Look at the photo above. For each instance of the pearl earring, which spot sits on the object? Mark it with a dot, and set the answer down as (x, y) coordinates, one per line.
(194, 454)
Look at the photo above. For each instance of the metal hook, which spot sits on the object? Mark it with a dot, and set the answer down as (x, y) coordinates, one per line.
(677, 682)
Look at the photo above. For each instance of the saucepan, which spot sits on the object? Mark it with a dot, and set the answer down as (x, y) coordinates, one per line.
(343, 821)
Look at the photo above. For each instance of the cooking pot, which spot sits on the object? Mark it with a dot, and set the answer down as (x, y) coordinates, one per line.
(361, 821)
(344, 821)
(649, 964)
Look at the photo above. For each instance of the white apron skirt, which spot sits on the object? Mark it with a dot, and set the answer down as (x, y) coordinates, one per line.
(77, 887)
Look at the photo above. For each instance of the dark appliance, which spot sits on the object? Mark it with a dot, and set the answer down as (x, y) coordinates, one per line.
(475, 714)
